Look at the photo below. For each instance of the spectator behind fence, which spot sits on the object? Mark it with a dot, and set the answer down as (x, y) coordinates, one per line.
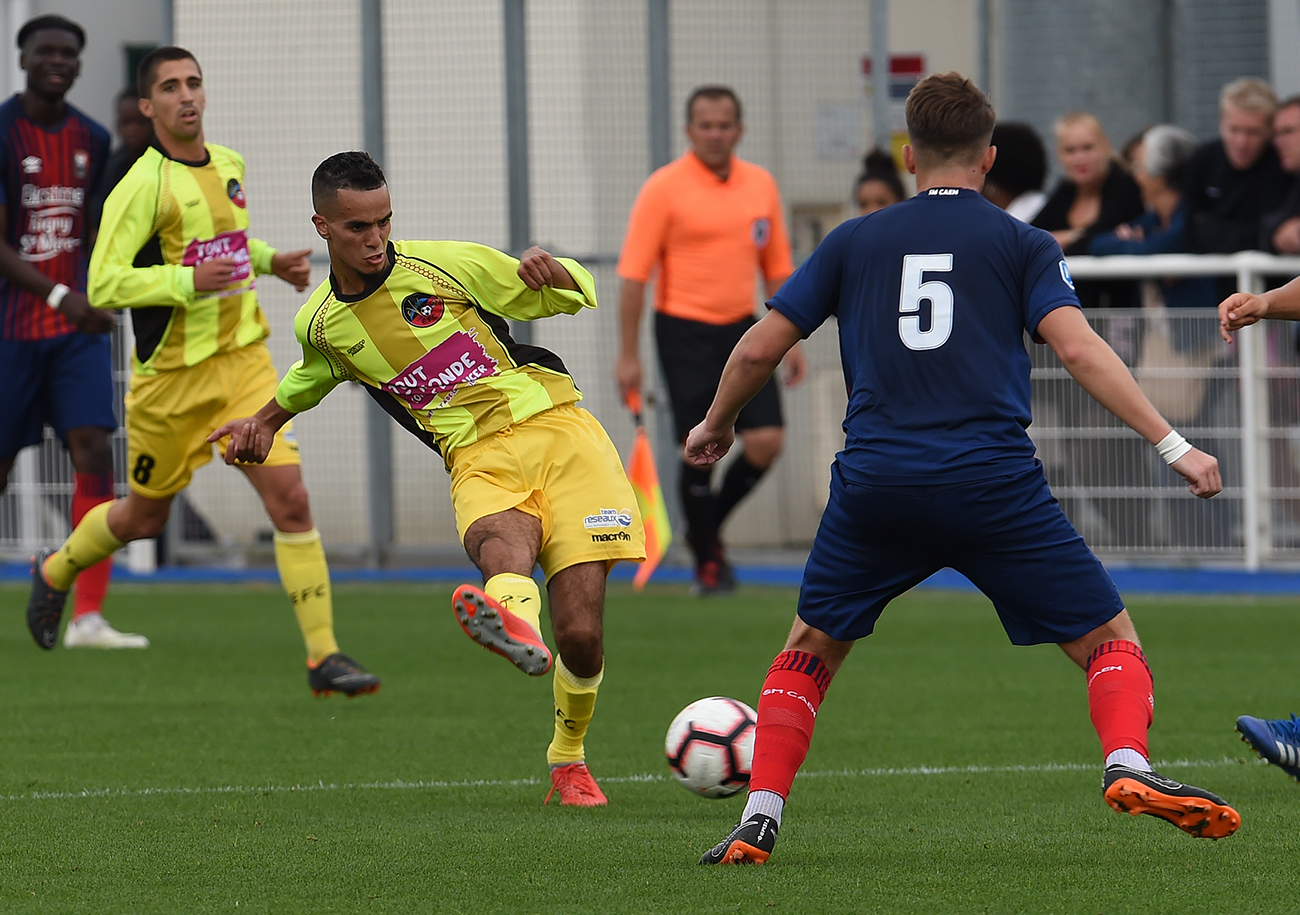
(1159, 167)
(1234, 180)
(1095, 195)
(879, 185)
(1280, 229)
(136, 133)
(1015, 182)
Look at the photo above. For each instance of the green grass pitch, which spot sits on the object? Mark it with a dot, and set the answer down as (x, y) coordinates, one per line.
(950, 772)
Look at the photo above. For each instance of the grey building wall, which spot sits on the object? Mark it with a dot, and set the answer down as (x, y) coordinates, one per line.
(1129, 62)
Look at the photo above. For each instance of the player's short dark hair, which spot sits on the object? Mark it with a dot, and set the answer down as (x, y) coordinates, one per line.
(1288, 102)
(948, 119)
(1021, 164)
(713, 93)
(345, 171)
(879, 165)
(51, 21)
(147, 71)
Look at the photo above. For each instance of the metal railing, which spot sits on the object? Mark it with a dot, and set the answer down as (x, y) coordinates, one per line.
(1129, 506)
(1251, 366)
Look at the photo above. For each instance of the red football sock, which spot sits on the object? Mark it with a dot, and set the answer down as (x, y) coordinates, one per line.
(1120, 700)
(787, 710)
(92, 584)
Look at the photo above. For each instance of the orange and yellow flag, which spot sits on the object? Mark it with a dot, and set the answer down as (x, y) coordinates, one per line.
(649, 497)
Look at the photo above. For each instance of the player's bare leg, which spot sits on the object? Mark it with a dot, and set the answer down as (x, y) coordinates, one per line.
(304, 572)
(1120, 701)
(504, 616)
(577, 597)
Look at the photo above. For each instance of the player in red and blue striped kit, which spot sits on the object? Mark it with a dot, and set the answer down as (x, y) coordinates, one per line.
(934, 297)
(55, 353)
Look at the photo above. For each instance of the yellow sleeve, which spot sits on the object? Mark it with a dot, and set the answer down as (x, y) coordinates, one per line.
(260, 254)
(492, 278)
(130, 214)
(314, 375)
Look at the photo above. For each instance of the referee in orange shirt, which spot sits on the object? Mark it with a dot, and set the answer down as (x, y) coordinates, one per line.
(710, 223)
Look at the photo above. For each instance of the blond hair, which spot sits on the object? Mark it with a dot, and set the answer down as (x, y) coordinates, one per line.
(1075, 118)
(1249, 94)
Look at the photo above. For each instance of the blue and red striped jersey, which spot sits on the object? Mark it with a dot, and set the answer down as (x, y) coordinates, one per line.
(49, 174)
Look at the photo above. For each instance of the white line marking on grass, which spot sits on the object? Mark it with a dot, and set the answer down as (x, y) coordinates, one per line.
(437, 784)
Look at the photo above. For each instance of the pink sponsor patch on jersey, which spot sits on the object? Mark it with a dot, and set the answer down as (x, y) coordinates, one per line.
(458, 360)
(228, 244)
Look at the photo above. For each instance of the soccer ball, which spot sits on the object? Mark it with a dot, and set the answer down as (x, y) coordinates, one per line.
(710, 746)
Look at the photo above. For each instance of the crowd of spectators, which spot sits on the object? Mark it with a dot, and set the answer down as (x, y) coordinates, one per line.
(1164, 193)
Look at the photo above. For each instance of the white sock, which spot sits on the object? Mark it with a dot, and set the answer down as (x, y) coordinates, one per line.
(1127, 756)
(768, 803)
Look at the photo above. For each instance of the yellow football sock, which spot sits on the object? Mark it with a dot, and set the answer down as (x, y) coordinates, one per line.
(300, 559)
(575, 702)
(90, 542)
(519, 595)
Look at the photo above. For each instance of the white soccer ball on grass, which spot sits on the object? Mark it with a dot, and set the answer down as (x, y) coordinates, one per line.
(710, 746)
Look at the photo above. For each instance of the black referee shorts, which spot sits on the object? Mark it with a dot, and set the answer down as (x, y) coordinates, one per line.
(692, 355)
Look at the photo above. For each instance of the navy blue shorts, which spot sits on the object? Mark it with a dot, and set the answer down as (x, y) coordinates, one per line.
(64, 382)
(1007, 535)
(692, 355)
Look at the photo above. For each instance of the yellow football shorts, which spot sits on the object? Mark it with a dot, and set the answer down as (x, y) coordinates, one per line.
(560, 467)
(170, 415)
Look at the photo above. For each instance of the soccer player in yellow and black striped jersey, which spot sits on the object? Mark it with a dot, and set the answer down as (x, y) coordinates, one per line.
(174, 247)
(534, 479)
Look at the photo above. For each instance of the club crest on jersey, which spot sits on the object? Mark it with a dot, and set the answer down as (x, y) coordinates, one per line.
(236, 194)
(1065, 275)
(422, 310)
(81, 163)
(760, 231)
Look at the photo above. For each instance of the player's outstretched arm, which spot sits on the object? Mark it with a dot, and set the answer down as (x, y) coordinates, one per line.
(251, 437)
(750, 365)
(1094, 365)
(1243, 308)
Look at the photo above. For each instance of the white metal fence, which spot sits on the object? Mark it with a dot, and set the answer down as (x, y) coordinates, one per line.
(1239, 401)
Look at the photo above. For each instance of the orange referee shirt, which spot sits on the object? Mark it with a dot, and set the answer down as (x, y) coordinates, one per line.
(710, 239)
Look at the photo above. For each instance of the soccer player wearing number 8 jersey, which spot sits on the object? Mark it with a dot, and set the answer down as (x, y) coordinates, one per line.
(174, 247)
(934, 297)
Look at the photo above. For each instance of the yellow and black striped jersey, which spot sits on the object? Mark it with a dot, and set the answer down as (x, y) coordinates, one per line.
(431, 344)
(164, 218)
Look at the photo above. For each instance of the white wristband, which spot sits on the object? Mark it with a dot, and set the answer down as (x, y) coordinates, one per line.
(55, 298)
(1173, 446)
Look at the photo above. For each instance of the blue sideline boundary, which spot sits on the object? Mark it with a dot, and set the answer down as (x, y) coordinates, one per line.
(1128, 580)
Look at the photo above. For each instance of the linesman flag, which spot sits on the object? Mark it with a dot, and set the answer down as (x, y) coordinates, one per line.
(649, 497)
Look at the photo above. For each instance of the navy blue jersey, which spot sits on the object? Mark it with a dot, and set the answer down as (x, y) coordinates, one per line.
(933, 297)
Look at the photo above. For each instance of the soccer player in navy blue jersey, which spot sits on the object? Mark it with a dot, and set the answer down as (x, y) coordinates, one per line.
(934, 297)
(55, 351)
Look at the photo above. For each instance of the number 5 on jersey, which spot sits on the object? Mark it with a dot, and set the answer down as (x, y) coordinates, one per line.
(915, 290)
